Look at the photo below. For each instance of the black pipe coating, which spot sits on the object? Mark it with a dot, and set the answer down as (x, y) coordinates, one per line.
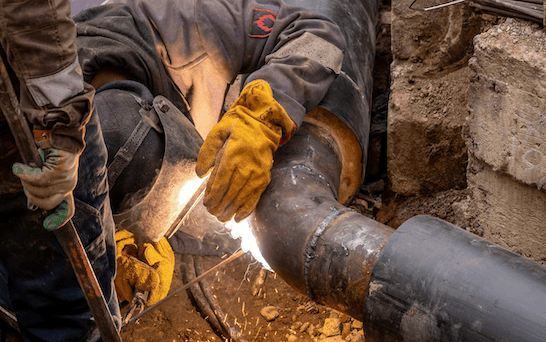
(434, 281)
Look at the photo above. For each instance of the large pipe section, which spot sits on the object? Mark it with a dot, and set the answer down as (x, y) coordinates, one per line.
(436, 282)
(316, 244)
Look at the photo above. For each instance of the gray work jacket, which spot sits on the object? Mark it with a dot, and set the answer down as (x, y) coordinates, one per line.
(205, 44)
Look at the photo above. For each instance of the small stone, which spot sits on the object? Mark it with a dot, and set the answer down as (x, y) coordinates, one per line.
(346, 330)
(351, 335)
(343, 318)
(292, 338)
(332, 339)
(294, 318)
(358, 337)
(300, 309)
(332, 327)
(304, 327)
(357, 324)
(296, 325)
(269, 313)
(312, 330)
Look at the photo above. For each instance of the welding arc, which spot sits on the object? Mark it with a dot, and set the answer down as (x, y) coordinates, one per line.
(188, 284)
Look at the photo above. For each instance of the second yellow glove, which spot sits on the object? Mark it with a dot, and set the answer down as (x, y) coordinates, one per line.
(147, 266)
(240, 148)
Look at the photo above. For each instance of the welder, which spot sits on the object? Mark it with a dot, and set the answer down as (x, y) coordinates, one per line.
(36, 279)
(190, 52)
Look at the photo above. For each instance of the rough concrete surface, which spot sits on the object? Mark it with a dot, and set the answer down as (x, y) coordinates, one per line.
(436, 38)
(506, 212)
(506, 100)
(426, 152)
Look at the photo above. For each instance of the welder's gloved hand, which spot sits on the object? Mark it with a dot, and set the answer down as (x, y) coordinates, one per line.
(240, 148)
(147, 266)
(51, 186)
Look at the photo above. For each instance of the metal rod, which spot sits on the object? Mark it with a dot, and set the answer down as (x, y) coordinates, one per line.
(188, 208)
(498, 11)
(9, 317)
(187, 285)
(66, 235)
(512, 7)
(435, 7)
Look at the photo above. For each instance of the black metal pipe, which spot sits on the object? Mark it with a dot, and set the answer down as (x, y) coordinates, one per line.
(314, 243)
(434, 281)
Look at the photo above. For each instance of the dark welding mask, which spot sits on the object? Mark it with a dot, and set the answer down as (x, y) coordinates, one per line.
(152, 150)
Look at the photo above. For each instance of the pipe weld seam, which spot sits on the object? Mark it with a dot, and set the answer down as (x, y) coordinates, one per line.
(313, 173)
(312, 245)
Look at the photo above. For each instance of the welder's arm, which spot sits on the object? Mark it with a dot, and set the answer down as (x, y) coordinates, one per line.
(292, 57)
(39, 41)
(240, 151)
(297, 52)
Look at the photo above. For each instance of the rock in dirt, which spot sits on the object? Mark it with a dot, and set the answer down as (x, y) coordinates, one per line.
(332, 339)
(357, 324)
(359, 337)
(346, 330)
(269, 313)
(304, 327)
(332, 327)
(296, 325)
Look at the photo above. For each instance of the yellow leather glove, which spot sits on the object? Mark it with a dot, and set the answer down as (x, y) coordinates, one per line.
(240, 148)
(147, 266)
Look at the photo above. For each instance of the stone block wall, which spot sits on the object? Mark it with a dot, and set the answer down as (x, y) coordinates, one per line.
(507, 137)
(426, 152)
(477, 124)
(507, 101)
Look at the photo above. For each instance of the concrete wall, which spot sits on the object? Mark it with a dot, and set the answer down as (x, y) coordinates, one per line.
(490, 141)
(507, 136)
(426, 152)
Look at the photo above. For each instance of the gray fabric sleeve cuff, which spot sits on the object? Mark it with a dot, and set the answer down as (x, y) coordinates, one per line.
(313, 47)
(54, 89)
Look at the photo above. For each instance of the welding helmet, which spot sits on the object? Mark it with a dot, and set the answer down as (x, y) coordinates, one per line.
(152, 150)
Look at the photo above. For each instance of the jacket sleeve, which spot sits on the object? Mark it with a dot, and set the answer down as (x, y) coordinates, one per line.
(299, 53)
(39, 39)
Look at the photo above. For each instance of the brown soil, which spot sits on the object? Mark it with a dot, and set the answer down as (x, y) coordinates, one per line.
(178, 319)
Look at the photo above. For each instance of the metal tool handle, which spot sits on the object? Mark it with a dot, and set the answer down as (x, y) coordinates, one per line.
(66, 235)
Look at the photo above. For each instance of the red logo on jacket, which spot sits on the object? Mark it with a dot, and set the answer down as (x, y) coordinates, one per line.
(262, 23)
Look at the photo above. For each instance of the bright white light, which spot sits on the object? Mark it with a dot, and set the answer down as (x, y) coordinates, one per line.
(248, 242)
(189, 189)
